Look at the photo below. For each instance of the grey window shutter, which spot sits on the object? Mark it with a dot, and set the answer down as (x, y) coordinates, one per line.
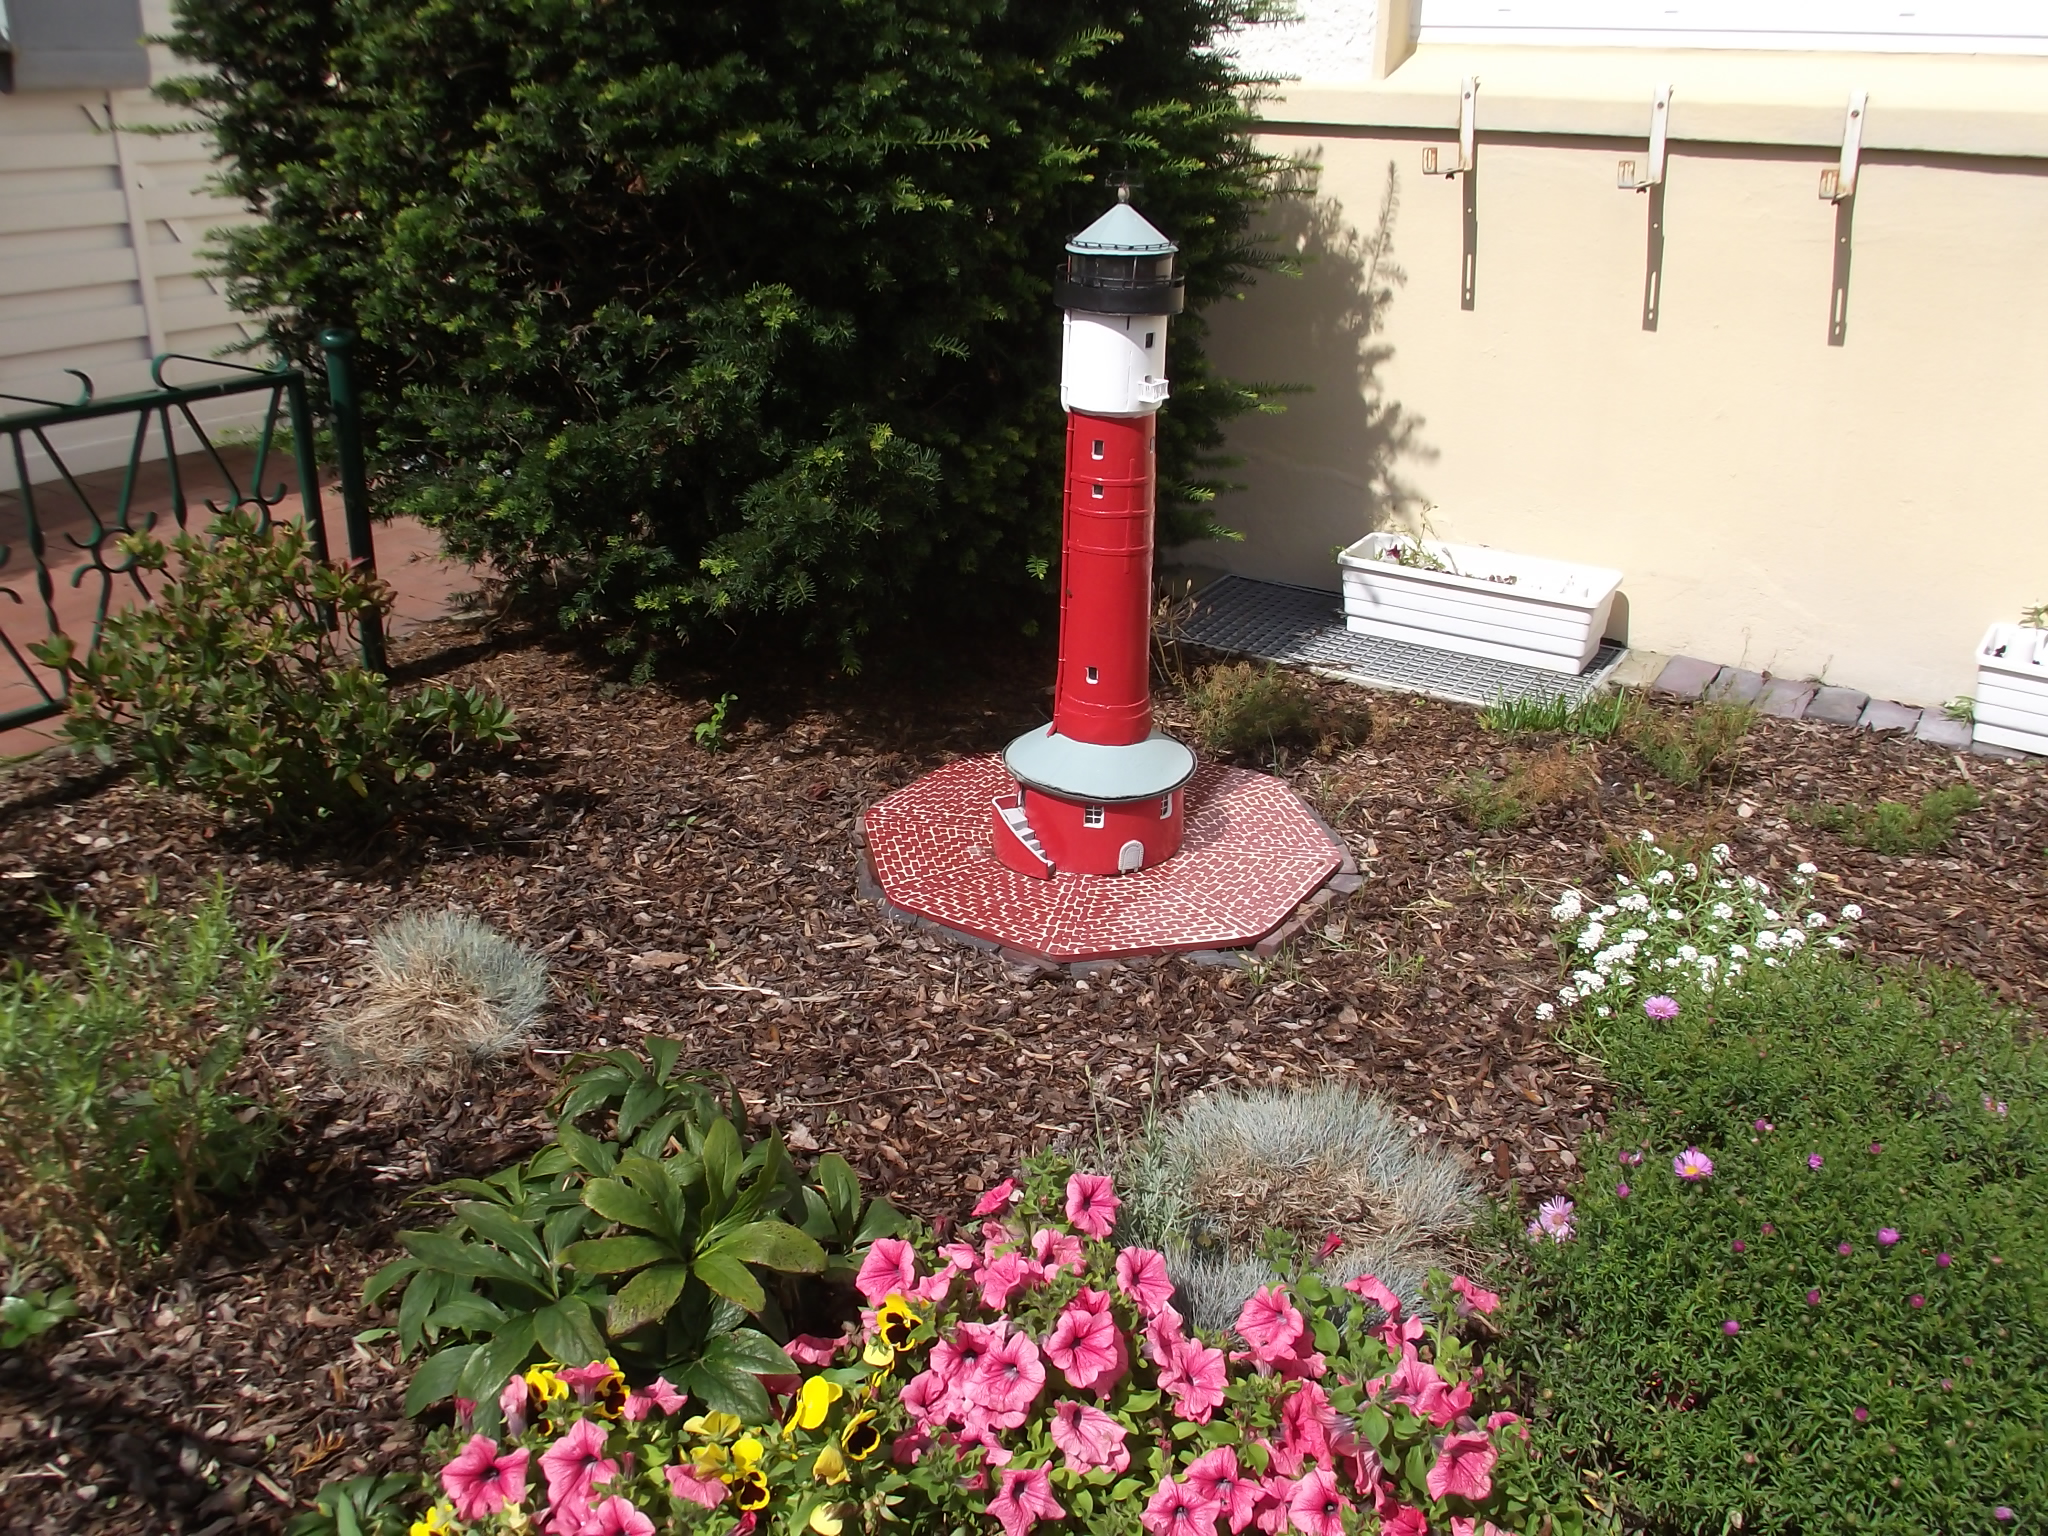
(69, 45)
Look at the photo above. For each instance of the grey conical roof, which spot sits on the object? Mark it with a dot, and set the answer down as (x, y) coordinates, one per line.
(1123, 231)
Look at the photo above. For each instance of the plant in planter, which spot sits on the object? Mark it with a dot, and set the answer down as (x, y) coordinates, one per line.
(2011, 707)
(1477, 601)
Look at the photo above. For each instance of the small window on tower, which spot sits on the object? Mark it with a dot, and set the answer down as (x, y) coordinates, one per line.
(1095, 491)
(1096, 452)
(1093, 676)
(1148, 341)
(1091, 816)
(1166, 807)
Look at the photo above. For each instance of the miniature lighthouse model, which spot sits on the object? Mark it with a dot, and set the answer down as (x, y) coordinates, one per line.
(1099, 791)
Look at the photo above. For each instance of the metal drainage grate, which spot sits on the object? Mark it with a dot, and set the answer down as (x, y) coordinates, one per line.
(1306, 627)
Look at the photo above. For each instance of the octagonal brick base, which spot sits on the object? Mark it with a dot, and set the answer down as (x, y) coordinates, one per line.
(1253, 853)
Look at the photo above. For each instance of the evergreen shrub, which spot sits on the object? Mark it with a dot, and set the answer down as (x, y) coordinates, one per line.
(741, 309)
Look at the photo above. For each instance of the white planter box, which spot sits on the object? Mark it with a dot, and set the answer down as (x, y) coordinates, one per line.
(2012, 688)
(1540, 613)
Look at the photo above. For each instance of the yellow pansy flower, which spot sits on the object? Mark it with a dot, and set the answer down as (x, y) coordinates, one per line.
(860, 1437)
(895, 1322)
(750, 1490)
(544, 1383)
(814, 1401)
(746, 1453)
(432, 1523)
(713, 1426)
(830, 1467)
(825, 1520)
(878, 1354)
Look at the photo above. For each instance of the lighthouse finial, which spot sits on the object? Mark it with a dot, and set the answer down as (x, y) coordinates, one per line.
(1123, 191)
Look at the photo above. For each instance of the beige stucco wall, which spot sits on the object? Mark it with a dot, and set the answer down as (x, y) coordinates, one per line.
(1856, 506)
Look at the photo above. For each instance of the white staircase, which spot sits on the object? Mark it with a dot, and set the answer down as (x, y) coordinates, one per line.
(1014, 818)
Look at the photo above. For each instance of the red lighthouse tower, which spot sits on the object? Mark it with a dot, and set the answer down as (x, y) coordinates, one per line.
(1095, 836)
(1098, 790)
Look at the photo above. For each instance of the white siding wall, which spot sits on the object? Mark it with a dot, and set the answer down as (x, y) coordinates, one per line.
(101, 235)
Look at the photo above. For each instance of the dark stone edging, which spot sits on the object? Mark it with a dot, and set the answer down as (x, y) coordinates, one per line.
(1689, 678)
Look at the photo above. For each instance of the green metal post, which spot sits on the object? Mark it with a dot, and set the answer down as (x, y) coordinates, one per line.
(355, 498)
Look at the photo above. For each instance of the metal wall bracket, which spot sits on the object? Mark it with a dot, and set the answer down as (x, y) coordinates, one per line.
(1432, 162)
(1839, 182)
(1625, 175)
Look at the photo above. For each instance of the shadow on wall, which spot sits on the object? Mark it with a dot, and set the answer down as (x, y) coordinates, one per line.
(1322, 464)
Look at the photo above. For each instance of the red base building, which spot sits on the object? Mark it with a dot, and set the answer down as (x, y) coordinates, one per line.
(1097, 794)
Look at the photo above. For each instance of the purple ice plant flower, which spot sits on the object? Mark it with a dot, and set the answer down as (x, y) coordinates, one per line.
(1886, 1236)
(1813, 1161)
(1693, 1165)
(1661, 1007)
(1553, 1220)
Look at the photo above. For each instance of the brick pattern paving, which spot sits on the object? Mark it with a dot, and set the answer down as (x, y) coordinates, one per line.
(1253, 853)
(1687, 677)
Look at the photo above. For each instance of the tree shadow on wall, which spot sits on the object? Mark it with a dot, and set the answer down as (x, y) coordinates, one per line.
(1323, 457)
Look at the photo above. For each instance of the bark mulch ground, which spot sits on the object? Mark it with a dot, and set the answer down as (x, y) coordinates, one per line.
(714, 897)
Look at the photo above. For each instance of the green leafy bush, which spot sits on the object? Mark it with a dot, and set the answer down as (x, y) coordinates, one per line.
(1687, 746)
(737, 310)
(1843, 1325)
(671, 1246)
(1893, 827)
(117, 1125)
(1245, 711)
(231, 684)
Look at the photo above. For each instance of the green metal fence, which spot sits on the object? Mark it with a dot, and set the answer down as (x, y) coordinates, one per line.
(63, 531)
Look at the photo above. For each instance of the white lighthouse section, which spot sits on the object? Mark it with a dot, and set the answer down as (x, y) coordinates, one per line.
(1113, 365)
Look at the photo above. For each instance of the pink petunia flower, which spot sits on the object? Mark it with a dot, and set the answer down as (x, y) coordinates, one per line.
(1089, 1438)
(813, 1350)
(1175, 1509)
(1374, 1290)
(1306, 1420)
(1007, 1275)
(1216, 1477)
(1141, 1275)
(1056, 1251)
(574, 1465)
(480, 1482)
(512, 1404)
(1087, 1347)
(1001, 1198)
(1092, 1204)
(1473, 1525)
(1270, 1323)
(1317, 1508)
(684, 1483)
(1693, 1165)
(1024, 1499)
(1193, 1376)
(1008, 1380)
(1404, 1520)
(1331, 1242)
(1886, 1236)
(659, 1394)
(1661, 1007)
(585, 1380)
(616, 1517)
(1485, 1302)
(891, 1265)
(1463, 1468)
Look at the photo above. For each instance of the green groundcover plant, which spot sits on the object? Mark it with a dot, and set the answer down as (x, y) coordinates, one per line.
(1800, 1287)
(734, 310)
(119, 1124)
(1038, 1377)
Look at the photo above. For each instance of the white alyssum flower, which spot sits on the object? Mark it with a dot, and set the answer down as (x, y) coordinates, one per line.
(1720, 853)
(1792, 938)
(1673, 915)
(1738, 952)
(1545, 1012)
(1835, 941)
(1647, 837)
(1852, 913)
(1809, 869)
(1722, 911)
(1663, 877)
(1635, 935)
(1594, 932)
(1568, 907)
(1690, 870)
(1687, 953)
(1816, 919)
(1767, 940)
